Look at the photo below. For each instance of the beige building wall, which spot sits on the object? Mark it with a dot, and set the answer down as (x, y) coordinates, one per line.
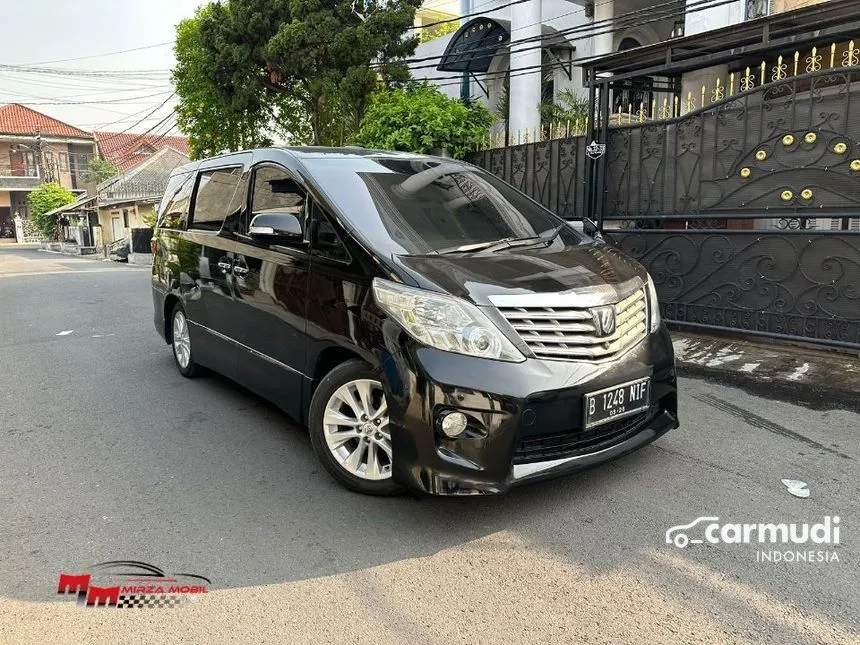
(5, 200)
(778, 6)
(122, 213)
(55, 156)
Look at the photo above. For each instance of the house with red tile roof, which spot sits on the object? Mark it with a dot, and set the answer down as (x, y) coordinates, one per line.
(36, 148)
(126, 149)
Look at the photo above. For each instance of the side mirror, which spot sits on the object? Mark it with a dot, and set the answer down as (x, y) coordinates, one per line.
(592, 228)
(276, 225)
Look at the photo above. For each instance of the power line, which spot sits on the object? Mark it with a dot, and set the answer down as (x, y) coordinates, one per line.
(469, 15)
(668, 9)
(126, 118)
(130, 152)
(121, 51)
(530, 68)
(129, 101)
(94, 84)
(135, 124)
(147, 74)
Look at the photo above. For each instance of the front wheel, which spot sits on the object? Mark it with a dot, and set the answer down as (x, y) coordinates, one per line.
(349, 429)
(181, 341)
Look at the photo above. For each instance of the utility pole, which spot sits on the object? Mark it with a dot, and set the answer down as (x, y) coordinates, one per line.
(38, 154)
(465, 90)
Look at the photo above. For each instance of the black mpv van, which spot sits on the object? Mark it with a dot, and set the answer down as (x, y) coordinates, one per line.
(432, 326)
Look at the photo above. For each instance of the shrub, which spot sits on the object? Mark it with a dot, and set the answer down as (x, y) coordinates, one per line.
(420, 118)
(43, 200)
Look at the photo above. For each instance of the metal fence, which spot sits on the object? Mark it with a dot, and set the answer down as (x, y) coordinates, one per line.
(551, 172)
(745, 209)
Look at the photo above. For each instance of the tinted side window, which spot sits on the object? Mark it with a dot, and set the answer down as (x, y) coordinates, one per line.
(174, 205)
(215, 191)
(275, 190)
(325, 241)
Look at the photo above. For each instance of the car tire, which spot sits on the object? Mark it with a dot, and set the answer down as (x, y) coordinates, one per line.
(180, 342)
(348, 425)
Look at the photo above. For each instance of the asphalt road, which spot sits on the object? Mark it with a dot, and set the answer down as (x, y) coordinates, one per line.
(106, 453)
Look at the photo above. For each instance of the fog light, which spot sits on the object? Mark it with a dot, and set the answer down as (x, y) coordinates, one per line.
(454, 424)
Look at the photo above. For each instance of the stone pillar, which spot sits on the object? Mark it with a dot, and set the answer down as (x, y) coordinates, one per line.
(19, 229)
(525, 86)
(604, 43)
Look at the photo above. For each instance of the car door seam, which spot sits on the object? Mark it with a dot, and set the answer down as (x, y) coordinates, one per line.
(249, 349)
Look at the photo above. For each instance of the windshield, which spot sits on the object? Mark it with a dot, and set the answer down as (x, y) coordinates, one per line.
(419, 206)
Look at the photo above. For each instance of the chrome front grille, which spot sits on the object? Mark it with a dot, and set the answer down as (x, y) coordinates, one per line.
(569, 333)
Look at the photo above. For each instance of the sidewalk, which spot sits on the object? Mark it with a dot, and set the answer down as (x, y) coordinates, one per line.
(815, 378)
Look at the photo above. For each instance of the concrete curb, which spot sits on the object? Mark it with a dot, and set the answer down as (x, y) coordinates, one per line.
(819, 379)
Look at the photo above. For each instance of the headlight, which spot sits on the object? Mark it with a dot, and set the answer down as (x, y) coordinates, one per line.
(653, 305)
(444, 322)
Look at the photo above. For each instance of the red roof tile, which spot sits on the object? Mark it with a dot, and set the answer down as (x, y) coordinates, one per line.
(124, 149)
(17, 119)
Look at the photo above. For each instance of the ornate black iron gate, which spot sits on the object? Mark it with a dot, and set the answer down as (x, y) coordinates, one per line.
(746, 211)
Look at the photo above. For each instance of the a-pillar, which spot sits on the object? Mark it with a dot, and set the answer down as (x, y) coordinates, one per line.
(525, 85)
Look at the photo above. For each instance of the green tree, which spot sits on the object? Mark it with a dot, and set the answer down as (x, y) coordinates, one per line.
(438, 30)
(43, 200)
(325, 56)
(213, 121)
(420, 118)
(101, 170)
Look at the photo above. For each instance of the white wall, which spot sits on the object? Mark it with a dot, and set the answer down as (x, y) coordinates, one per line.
(713, 17)
(422, 69)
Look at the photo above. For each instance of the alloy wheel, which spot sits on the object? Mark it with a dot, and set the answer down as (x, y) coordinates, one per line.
(355, 426)
(181, 340)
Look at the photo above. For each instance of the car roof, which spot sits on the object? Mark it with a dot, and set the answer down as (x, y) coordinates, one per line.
(309, 153)
(303, 152)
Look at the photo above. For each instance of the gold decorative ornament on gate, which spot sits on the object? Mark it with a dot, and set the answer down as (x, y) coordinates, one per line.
(855, 165)
(810, 137)
(806, 194)
(787, 140)
(840, 148)
(761, 155)
(745, 172)
(786, 195)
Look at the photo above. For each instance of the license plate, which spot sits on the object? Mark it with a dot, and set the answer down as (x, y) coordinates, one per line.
(616, 402)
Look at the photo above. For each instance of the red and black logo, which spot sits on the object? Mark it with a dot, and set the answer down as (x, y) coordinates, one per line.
(126, 584)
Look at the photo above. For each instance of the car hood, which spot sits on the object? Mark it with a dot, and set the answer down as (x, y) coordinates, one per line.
(518, 270)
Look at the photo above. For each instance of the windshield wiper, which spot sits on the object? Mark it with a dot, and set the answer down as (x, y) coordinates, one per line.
(504, 243)
(478, 246)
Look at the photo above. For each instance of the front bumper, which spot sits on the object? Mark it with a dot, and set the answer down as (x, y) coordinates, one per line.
(525, 419)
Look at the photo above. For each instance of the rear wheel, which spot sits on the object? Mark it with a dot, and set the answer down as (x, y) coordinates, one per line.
(349, 429)
(181, 342)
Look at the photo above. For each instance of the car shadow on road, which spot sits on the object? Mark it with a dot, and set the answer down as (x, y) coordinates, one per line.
(229, 488)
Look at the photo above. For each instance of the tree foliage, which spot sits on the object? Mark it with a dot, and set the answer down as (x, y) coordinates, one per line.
(420, 118)
(248, 64)
(43, 200)
(438, 30)
(101, 170)
(213, 121)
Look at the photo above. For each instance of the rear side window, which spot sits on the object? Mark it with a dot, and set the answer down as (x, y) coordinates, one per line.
(215, 192)
(174, 205)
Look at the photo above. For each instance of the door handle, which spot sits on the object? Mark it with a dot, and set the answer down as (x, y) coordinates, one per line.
(225, 267)
(240, 270)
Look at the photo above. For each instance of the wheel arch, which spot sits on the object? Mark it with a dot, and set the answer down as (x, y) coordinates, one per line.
(170, 303)
(328, 359)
